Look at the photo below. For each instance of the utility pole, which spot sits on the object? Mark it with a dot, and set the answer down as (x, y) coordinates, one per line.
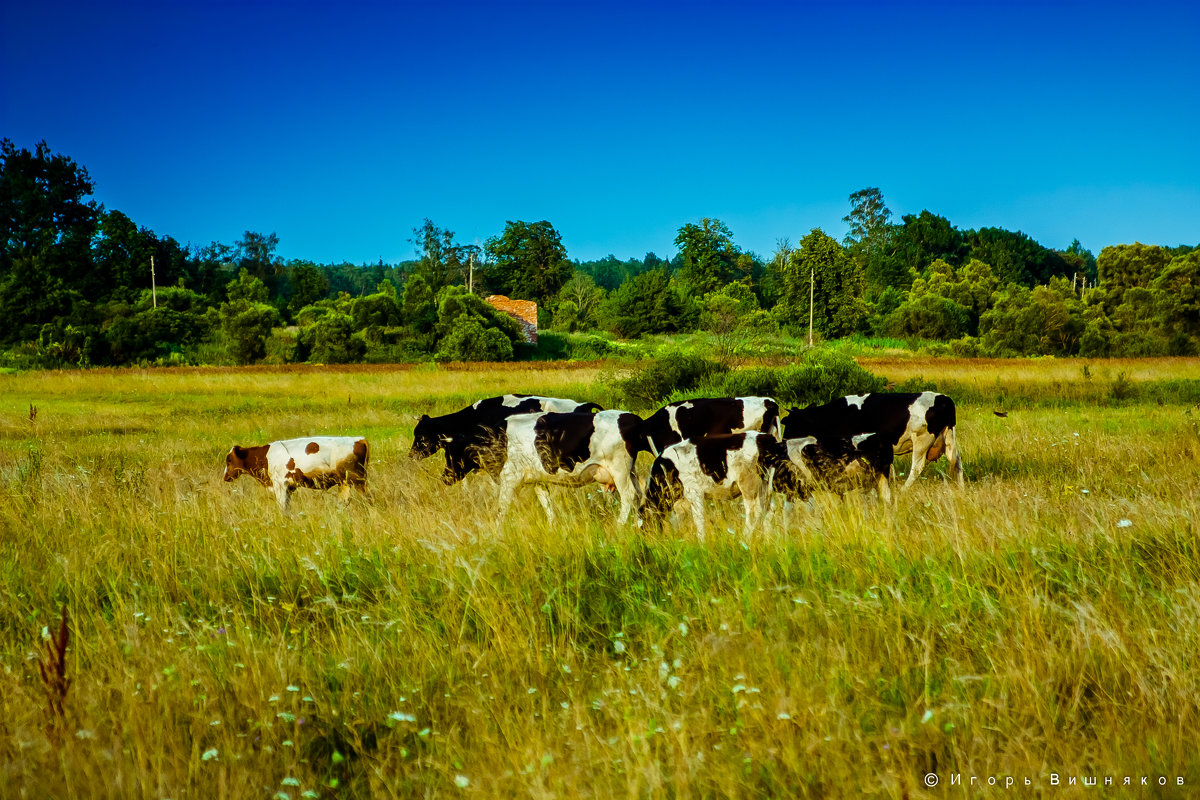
(471, 273)
(812, 282)
(153, 285)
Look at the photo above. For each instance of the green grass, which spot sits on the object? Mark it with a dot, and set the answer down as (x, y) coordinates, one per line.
(1044, 620)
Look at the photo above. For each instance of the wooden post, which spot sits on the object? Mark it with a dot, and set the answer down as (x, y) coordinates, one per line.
(153, 285)
(812, 282)
(471, 273)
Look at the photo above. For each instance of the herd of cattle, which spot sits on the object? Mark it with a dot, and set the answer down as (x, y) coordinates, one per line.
(712, 447)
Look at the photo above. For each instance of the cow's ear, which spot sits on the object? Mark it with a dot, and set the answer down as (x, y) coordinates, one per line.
(239, 451)
(421, 418)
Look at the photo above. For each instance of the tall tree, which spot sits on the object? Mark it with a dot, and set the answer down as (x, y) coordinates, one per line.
(46, 229)
(529, 261)
(709, 257)
(838, 305)
(439, 260)
(255, 253)
(870, 239)
(923, 238)
(1016, 257)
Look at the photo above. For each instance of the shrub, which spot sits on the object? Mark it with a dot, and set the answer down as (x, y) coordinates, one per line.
(331, 340)
(673, 372)
(470, 341)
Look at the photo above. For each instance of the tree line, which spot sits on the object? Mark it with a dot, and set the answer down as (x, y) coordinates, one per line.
(76, 288)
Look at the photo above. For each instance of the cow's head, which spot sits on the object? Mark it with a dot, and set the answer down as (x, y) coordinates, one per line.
(663, 491)
(785, 478)
(800, 422)
(247, 461)
(235, 462)
(427, 439)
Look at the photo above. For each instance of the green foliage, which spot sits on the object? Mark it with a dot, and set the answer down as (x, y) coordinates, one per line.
(737, 324)
(246, 319)
(926, 237)
(147, 333)
(440, 260)
(578, 304)
(469, 340)
(672, 372)
(945, 303)
(649, 303)
(1127, 266)
(46, 229)
(871, 239)
(308, 284)
(331, 340)
(838, 305)
(246, 288)
(377, 310)
(820, 376)
(418, 309)
(709, 257)
(1047, 320)
(1015, 257)
(529, 261)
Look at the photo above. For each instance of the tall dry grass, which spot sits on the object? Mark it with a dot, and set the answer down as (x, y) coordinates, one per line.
(1045, 620)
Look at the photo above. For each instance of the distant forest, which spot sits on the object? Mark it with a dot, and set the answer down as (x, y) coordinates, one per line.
(75, 289)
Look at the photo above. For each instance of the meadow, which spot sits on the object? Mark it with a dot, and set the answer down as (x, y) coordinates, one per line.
(1037, 630)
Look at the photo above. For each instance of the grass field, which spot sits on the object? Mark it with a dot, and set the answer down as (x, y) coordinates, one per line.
(1042, 625)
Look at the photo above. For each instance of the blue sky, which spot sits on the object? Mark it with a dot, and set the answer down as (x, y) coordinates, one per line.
(340, 127)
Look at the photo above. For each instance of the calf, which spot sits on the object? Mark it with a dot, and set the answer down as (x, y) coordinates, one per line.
(709, 416)
(571, 449)
(472, 435)
(922, 424)
(318, 462)
(721, 466)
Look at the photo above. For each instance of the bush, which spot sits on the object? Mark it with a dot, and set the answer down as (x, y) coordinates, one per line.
(823, 375)
(666, 375)
(470, 341)
(331, 340)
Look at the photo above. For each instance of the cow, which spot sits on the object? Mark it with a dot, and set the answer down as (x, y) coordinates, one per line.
(838, 464)
(471, 434)
(316, 462)
(720, 466)
(709, 416)
(572, 449)
(921, 423)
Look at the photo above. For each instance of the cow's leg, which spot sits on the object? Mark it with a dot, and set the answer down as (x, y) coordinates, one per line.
(630, 492)
(885, 488)
(954, 457)
(547, 506)
(504, 496)
(921, 445)
(695, 501)
(754, 495)
(283, 496)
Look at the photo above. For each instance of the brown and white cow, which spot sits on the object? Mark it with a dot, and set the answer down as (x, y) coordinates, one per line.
(316, 462)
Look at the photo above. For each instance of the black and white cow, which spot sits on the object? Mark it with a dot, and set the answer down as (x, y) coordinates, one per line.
(709, 416)
(572, 450)
(720, 466)
(921, 423)
(471, 434)
(837, 463)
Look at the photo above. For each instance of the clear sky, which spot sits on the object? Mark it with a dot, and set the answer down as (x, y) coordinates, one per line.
(341, 126)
